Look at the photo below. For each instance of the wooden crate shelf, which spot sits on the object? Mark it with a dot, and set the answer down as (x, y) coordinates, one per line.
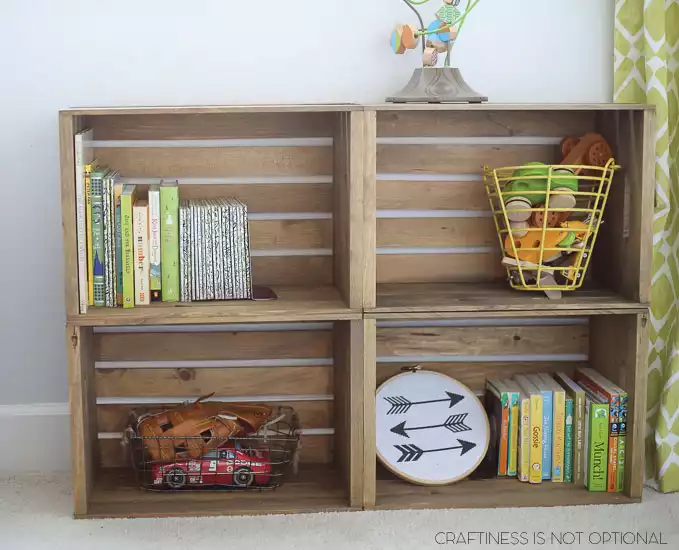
(372, 225)
(293, 304)
(393, 493)
(448, 300)
(475, 349)
(314, 489)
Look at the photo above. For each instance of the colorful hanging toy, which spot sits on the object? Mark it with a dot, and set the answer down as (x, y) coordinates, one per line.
(438, 37)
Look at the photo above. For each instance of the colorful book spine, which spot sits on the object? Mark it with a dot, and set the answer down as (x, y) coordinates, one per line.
(169, 247)
(142, 279)
(504, 451)
(89, 168)
(547, 425)
(536, 427)
(495, 413)
(575, 392)
(593, 382)
(82, 157)
(536, 454)
(622, 441)
(597, 445)
(127, 199)
(558, 426)
(98, 247)
(118, 238)
(514, 417)
(524, 438)
(155, 243)
(568, 442)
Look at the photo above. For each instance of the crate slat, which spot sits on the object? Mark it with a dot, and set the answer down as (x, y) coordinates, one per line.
(439, 268)
(305, 271)
(224, 382)
(290, 234)
(470, 341)
(482, 124)
(431, 195)
(205, 161)
(212, 126)
(204, 346)
(435, 232)
(457, 159)
(267, 197)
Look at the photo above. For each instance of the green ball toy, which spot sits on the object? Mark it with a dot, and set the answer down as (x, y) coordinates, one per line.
(536, 189)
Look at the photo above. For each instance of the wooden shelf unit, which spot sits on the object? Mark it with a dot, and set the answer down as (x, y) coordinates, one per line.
(372, 225)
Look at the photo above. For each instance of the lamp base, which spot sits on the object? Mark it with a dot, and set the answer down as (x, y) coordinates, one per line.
(437, 85)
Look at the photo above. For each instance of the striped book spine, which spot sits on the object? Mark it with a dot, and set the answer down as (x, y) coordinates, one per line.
(98, 246)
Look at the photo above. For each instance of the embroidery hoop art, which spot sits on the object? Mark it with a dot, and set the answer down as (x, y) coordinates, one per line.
(468, 394)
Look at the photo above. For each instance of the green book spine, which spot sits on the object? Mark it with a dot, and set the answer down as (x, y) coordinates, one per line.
(126, 203)
(568, 443)
(597, 461)
(169, 246)
(119, 256)
(98, 256)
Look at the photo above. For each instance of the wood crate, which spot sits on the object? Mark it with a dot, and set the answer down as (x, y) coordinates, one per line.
(145, 369)
(435, 243)
(473, 350)
(299, 170)
(372, 225)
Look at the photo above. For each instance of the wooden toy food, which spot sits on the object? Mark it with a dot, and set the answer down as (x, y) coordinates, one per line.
(591, 149)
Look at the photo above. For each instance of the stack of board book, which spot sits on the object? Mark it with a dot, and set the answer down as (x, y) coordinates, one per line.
(139, 244)
(560, 429)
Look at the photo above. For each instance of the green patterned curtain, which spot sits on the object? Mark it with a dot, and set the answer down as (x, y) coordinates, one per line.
(647, 71)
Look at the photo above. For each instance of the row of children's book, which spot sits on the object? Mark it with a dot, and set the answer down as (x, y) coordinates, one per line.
(558, 428)
(140, 244)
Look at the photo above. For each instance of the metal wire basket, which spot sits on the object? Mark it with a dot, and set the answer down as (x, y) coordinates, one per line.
(547, 220)
(258, 461)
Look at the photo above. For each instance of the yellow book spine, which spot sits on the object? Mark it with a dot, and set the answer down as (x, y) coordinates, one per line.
(524, 443)
(513, 439)
(88, 231)
(535, 439)
(558, 436)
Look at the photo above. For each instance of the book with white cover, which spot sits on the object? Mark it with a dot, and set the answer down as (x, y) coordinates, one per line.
(83, 155)
(142, 280)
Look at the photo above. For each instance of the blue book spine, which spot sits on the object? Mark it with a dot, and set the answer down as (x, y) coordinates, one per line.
(547, 427)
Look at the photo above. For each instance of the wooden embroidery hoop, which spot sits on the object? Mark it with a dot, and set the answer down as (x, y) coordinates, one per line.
(414, 370)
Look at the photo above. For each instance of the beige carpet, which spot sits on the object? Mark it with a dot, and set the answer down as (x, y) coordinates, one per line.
(35, 514)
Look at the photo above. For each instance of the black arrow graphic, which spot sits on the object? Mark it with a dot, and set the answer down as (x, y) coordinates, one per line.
(455, 424)
(412, 453)
(400, 404)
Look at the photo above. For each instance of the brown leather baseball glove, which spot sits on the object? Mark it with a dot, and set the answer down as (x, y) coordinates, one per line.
(190, 430)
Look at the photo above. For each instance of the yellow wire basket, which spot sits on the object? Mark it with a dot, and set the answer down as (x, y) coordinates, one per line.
(547, 219)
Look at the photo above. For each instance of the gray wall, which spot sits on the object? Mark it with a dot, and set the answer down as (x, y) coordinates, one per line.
(58, 54)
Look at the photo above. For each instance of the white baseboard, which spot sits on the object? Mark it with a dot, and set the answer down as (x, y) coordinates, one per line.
(35, 438)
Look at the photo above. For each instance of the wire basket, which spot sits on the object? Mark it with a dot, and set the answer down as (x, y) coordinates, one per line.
(547, 219)
(258, 461)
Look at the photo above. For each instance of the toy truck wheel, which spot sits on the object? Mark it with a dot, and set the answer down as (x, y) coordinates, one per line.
(175, 478)
(243, 477)
(430, 57)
